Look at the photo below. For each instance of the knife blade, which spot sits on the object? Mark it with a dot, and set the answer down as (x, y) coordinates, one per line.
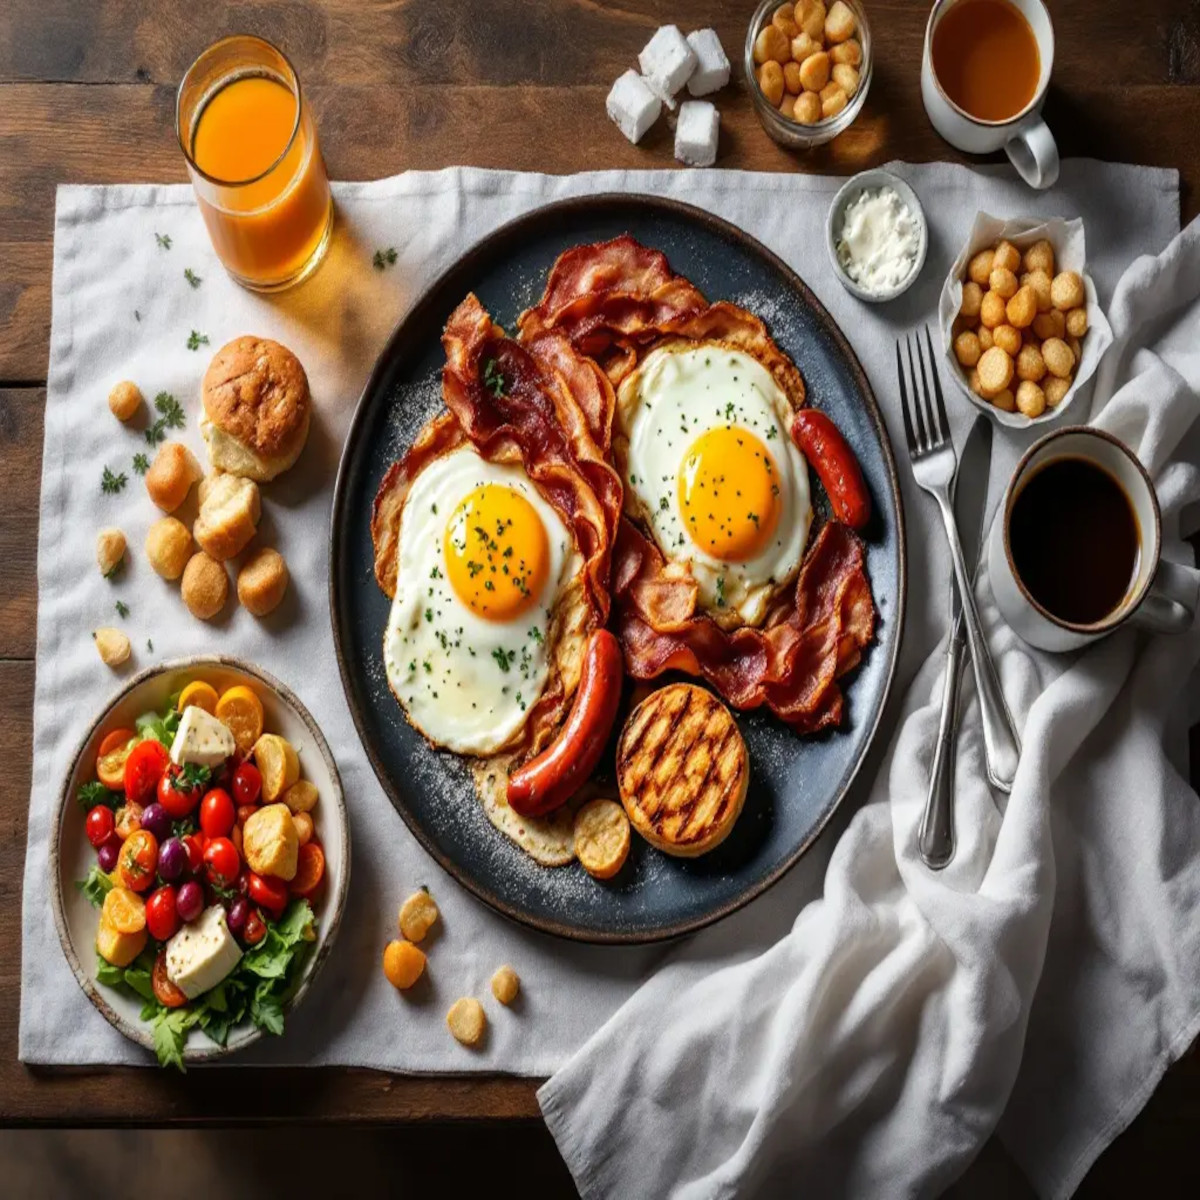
(936, 839)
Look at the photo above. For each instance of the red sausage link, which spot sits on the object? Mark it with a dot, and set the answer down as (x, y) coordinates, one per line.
(545, 782)
(823, 445)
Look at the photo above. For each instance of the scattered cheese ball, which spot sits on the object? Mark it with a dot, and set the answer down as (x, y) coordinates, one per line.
(467, 1021)
(992, 310)
(1008, 339)
(1050, 324)
(171, 475)
(1003, 282)
(601, 838)
(301, 797)
(810, 17)
(967, 348)
(972, 299)
(1022, 307)
(787, 106)
(113, 646)
(839, 22)
(168, 547)
(833, 100)
(505, 985)
(784, 19)
(110, 551)
(770, 80)
(1066, 291)
(1030, 364)
(418, 914)
(814, 71)
(771, 45)
(1040, 282)
(1005, 401)
(403, 964)
(271, 844)
(995, 371)
(807, 109)
(124, 400)
(1055, 390)
(807, 51)
(846, 77)
(304, 827)
(985, 337)
(792, 82)
(262, 581)
(1059, 359)
(1031, 400)
(1077, 322)
(205, 586)
(847, 53)
(980, 267)
(1007, 256)
(1039, 257)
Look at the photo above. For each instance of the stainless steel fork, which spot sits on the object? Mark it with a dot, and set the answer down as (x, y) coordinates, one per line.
(934, 465)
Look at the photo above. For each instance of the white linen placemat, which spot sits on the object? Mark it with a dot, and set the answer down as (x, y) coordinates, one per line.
(123, 309)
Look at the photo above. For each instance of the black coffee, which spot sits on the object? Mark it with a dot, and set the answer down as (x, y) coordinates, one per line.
(1074, 539)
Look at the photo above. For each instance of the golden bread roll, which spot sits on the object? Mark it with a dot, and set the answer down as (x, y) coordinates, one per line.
(262, 581)
(682, 770)
(205, 586)
(171, 475)
(229, 511)
(257, 408)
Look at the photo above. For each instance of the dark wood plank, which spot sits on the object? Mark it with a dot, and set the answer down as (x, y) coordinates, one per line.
(21, 411)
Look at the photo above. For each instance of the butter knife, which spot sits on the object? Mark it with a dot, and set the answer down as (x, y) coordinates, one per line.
(936, 841)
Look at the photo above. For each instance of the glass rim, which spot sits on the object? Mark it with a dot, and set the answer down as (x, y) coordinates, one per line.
(294, 87)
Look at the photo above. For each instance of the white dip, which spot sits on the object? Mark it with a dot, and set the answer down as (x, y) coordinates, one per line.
(879, 240)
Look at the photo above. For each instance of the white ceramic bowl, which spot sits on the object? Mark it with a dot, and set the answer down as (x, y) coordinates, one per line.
(849, 192)
(72, 856)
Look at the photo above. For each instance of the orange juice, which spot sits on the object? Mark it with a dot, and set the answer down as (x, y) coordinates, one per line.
(255, 163)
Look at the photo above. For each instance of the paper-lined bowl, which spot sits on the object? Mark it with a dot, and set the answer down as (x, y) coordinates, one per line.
(1069, 255)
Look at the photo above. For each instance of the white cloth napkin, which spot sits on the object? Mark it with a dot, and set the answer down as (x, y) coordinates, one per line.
(1045, 980)
(123, 309)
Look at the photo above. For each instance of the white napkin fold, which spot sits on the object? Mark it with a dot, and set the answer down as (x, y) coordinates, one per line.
(1045, 980)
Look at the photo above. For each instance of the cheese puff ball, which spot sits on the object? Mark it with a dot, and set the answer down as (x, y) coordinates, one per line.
(984, 334)
(846, 78)
(1022, 307)
(771, 45)
(839, 23)
(992, 311)
(807, 109)
(124, 400)
(967, 349)
(814, 71)
(980, 267)
(1066, 291)
(112, 645)
(972, 298)
(791, 79)
(784, 19)
(1030, 364)
(168, 547)
(1039, 257)
(974, 383)
(1031, 400)
(810, 16)
(1008, 339)
(1007, 256)
(770, 79)
(1055, 390)
(171, 475)
(833, 100)
(1040, 282)
(205, 586)
(1076, 348)
(787, 106)
(996, 371)
(849, 53)
(1059, 359)
(1052, 324)
(1003, 282)
(803, 45)
(1077, 322)
(1005, 401)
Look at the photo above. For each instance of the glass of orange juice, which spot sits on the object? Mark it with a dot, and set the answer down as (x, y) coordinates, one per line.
(252, 152)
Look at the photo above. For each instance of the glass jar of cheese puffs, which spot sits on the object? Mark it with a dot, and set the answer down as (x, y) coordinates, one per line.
(808, 67)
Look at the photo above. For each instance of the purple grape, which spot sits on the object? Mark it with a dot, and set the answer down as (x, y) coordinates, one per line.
(157, 820)
(172, 860)
(189, 900)
(235, 918)
(107, 854)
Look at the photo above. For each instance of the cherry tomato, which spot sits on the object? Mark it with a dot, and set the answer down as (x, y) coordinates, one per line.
(194, 845)
(221, 861)
(162, 918)
(255, 928)
(100, 825)
(310, 870)
(178, 797)
(247, 784)
(114, 740)
(216, 813)
(111, 756)
(143, 769)
(129, 819)
(270, 893)
(165, 992)
(245, 812)
(138, 860)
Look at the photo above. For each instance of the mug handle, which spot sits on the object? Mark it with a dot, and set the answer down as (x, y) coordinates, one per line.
(1170, 604)
(1032, 150)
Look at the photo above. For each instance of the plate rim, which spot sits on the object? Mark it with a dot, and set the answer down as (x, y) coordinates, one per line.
(600, 203)
(139, 1032)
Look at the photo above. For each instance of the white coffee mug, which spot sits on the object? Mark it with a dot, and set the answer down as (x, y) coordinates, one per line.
(1163, 595)
(1025, 137)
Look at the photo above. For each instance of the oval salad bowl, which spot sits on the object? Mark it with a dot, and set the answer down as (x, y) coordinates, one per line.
(276, 934)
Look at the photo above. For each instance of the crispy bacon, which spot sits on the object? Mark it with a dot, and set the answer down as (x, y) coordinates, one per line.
(790, 665)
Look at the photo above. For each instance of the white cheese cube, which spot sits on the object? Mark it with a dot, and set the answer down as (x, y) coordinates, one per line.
(667, 62)
(696, 133)
(632, 105)
(201, 739)
(712, 67)
(201, 954)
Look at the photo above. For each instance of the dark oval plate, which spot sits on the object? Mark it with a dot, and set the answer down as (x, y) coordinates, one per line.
(795, 783)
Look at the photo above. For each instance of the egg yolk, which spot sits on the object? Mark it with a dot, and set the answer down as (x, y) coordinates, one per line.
(497, 553)
(729, 493)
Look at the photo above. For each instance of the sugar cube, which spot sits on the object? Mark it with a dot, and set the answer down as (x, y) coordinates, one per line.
(712, 67)
(632, 105)
(667, 62)
(696, 133)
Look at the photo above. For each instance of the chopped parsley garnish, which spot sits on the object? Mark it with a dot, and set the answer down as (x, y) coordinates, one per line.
(504, 658)
(535, 633)
(122, 609)
(189, 777)
(192, 277)
(163, 240)
(141, 464)
(663, 503)
(111, 484)
(429, 614)
(170, 417)
(492, 379)
(95, 793)
(196, 340)
(720, 591)
(772, 433)
(384, 258)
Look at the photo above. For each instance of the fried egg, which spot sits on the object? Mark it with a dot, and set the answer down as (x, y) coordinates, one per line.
(482, 561)
(711, 469)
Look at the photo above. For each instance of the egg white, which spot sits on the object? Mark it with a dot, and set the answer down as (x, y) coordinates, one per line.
(676, 394)
(465, 682)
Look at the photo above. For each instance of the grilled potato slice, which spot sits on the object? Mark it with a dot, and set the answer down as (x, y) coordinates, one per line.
(682, 770)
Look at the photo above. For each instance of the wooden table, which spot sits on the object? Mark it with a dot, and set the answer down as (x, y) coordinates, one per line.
(86, 95)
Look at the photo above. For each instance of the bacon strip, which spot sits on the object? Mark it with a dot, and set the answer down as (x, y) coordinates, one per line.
(789, 665)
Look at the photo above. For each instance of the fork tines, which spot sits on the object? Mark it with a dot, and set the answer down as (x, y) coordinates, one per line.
(926, 426)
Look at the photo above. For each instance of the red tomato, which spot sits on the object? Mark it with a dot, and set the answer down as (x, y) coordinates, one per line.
(100, 825)
(176, 796)
(165, 991)
(255, 929)
(138, 860)
(216, 813)
(194, 845)
(247, 784)
(245, 812)
(161, 918)
(270, 893)
(310, 870)
(222, 862)
(143, 769)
